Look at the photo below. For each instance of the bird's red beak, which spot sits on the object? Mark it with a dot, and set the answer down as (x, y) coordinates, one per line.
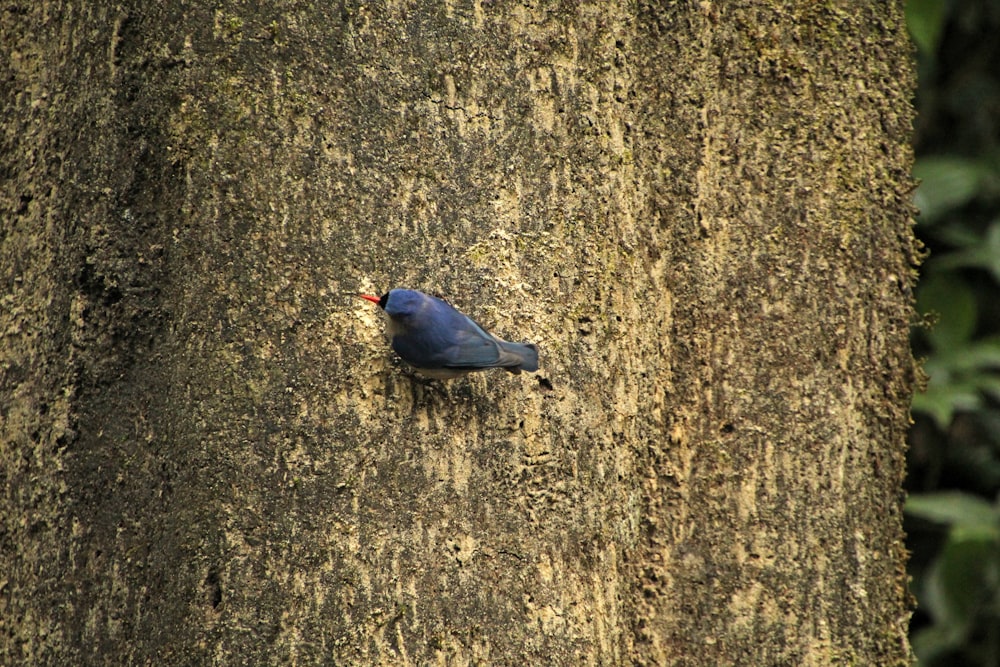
(369, 297)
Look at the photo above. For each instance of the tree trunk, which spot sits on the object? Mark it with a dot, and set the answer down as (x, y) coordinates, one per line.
(700, 214)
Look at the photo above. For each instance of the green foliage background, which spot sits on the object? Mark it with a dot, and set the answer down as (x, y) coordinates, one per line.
(953, 514)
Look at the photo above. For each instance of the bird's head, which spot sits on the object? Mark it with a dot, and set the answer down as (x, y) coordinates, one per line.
(399, 304)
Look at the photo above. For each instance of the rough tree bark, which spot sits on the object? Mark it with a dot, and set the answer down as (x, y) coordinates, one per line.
(699, 212)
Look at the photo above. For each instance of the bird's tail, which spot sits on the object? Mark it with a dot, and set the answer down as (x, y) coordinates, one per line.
(519, 357)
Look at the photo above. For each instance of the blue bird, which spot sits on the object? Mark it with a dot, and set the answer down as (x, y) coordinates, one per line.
(442, 343)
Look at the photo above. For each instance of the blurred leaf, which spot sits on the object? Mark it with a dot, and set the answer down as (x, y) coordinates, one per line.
(989, 384)
(925, 18)
(956, 508)
(958, 234)
(959, 376)
(961, 580)
(947, 295)
(965, 362)
(943, 401)
(945, 184)
(980, 355)
(984, 255)
(932, 642)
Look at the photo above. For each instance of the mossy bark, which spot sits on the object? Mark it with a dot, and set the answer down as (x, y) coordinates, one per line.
(699, 213)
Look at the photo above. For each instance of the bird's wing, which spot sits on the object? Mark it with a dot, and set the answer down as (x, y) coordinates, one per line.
(471, 348)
